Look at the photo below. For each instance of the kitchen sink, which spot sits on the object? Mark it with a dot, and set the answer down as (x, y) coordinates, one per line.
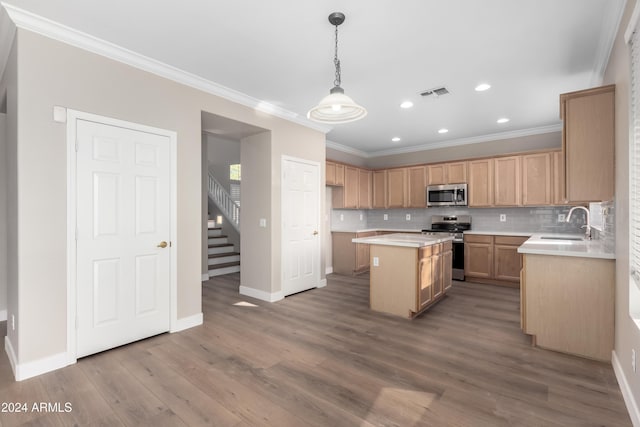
(579, 239)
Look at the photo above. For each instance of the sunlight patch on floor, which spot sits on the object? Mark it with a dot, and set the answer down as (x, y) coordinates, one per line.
(244, 304)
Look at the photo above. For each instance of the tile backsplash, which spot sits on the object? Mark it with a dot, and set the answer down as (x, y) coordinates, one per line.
(535, 219)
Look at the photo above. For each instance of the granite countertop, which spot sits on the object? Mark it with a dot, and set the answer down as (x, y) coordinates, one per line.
(567, 245)
(402, 239)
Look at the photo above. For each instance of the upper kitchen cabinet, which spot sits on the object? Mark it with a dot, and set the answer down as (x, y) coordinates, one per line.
(417, 187)
(588, 144)
(480, 185)
(536, 179)
(397, 188)
(334, 173)
(346, 197)
(447, 173)
(379, 192)
(557, 161)
(364, 189)
(506, 181)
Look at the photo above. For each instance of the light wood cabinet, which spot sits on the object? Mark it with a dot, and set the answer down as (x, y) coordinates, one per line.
(480, 188)
(334, 173)
(425, 280)
(568, 304)
(364, 189)
(379, 192)
(557, 160)
(493, 259)
(447, 173)
(348, 257)
(537, 179)
(506, 182)
(588, 144)
(397, 188)
(478, 256)
(447, 259)
(417, 187)
(507, 261)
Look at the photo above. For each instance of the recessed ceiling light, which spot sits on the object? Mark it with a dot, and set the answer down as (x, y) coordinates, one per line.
(395, 139)
(502, 120)
(443, 130)
(406, 104)
(482, 87)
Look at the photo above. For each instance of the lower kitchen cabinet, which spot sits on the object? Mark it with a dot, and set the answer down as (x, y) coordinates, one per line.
(493, 259)
(348, 257)
(567, 304)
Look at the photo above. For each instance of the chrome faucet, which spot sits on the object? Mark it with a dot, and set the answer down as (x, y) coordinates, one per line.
(587, 226)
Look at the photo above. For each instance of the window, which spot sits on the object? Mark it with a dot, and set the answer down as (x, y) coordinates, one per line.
(234, 172)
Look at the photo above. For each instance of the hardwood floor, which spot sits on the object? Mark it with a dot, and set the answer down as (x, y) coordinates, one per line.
(322, 358)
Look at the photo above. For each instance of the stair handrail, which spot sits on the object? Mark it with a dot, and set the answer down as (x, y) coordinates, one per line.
(221, 197)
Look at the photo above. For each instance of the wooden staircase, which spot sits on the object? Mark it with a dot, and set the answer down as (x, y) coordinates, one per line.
(223, 259)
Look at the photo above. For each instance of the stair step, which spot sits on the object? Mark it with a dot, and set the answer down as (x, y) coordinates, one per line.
(222, 248)
(226, 268)
(216, 240)
(222, 258)
(214, 232)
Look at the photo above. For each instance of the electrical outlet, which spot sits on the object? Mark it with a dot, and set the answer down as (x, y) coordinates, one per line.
(13, 322)
(408, 217)
(376, 261)
(633, 359)
(503, 217)
(385, 217)
(341, 217)
(561, 218)
(361, 217)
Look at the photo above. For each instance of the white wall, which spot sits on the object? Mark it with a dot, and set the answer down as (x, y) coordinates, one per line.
(627, 332)
(95, 84)
(3, 217)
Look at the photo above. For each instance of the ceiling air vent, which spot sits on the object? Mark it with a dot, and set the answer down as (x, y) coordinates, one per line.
(435, 92)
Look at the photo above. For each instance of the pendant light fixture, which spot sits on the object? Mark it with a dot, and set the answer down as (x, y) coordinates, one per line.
(336, 107)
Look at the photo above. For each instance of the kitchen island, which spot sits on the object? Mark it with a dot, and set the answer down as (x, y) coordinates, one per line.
(408, 273)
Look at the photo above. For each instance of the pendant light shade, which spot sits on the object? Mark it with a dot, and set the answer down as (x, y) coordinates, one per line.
(336, 107)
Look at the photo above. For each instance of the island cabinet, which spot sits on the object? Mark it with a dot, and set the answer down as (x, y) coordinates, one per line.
(493, 259)
(405, 281)
(447, 173)
(480, 186)
(567, 304)
(350, 258)
(334, 173)
(588, 144)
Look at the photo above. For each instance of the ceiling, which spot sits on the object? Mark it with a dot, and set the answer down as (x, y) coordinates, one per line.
(280, 52)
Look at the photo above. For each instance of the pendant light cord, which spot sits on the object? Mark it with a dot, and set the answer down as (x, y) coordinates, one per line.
(336, 62)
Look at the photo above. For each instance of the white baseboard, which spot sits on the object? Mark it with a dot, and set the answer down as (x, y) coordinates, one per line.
(627, 394)
(37, 367)
(322, 283)
(205, 277)
(261, 295)
(3, 315)
(328, 270)
(187, 322)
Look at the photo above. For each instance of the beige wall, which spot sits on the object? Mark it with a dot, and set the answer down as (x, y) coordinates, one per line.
(627, 333)
(3, 216)
(9, 85)
(84, 81)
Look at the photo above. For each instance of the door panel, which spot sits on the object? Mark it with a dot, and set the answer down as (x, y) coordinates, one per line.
(123, 213)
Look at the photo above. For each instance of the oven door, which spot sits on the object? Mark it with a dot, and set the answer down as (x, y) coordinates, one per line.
(458, 260)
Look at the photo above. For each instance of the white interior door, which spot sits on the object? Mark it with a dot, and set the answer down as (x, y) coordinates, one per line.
(123, 216)
(300, 225)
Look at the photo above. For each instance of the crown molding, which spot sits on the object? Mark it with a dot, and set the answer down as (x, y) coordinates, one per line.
(54, 30)
(7, 33)
(612, 19)
(450, 143)
(346, 149)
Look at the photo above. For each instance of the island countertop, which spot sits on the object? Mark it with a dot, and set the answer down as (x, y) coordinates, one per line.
(571, 245)
(403, 239)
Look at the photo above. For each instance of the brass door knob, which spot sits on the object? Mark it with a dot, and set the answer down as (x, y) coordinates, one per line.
(315, 233)
(163, 244)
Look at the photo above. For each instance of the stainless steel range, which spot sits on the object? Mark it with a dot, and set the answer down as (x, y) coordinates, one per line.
(453, 226)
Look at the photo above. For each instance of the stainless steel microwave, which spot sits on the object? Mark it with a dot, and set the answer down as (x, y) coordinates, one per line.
(447, 195)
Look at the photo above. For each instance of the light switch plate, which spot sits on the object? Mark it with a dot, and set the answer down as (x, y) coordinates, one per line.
(385, 217)
(376, 261)
(263, 222)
